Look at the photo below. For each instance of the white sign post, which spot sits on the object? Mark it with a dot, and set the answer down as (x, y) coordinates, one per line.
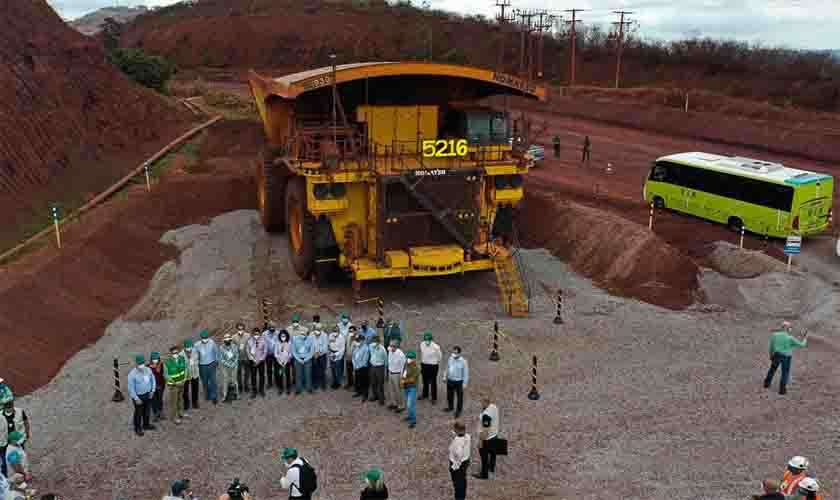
(793, 246)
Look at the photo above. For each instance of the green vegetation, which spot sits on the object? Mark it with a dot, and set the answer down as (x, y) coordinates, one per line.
(147, 70)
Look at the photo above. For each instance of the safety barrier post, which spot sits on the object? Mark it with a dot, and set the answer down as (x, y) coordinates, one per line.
(118, 395)
(494, 354)
(650, 220)
(266, 310)
(558, 320)
(534, 394)
(380, 306)
(741, 245)
(54, 211)
(148, 181)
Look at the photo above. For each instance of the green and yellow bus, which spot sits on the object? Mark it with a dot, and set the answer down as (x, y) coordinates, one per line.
(765, 198)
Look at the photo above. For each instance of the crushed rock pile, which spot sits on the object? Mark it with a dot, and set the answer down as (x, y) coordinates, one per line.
(734, 262)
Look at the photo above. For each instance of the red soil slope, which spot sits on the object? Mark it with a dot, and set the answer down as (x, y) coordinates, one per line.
(68, 117)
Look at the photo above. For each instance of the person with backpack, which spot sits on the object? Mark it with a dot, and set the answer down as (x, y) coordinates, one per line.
(300, 479)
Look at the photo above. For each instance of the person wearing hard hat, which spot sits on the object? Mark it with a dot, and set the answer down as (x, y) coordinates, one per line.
(141, 388)
(430, 357)
(408, 383)
(175, 374)
(229, 361)
(292, 480)
(16, 420)
(375, 488)
(6, 393)
(796, 468)
(160, 385)
(808, 489)
(782, 343)
(193, 375)
(208, 361)
(16, 457)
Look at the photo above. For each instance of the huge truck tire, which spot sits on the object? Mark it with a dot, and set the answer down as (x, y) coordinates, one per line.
(300, 225)
(271, 187)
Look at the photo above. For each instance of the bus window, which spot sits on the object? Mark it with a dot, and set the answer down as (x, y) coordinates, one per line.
(659, 173)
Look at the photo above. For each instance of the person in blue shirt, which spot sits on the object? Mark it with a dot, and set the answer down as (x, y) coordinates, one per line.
(456, 376)
(361, 367)
(270, 334)
(141, 387)
(303, 348)
(208, 360)
(368, 332)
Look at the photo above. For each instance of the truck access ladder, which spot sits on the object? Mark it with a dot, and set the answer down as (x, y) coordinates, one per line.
(512, 280)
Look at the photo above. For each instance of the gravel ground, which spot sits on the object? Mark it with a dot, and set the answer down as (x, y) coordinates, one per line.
(637, 402)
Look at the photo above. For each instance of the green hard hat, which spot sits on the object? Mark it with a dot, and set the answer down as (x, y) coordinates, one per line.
(15, 437)
(204, 334)
(427, 335)
(345, 316)
(295, 317)
(188, 344)
(373, 475)
(155, 355)
(411, 355)
(289, 453)
(139, 359)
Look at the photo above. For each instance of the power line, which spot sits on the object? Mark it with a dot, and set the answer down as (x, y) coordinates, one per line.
(620, 25)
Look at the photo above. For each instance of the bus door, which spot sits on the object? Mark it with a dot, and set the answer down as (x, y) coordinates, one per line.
(691, 180)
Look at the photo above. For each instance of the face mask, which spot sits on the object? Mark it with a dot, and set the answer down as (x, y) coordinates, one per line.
(154, 362)
(241, 331)
(174, 354)
(295, 323)
(428, 342)
(189, 351)
(456, 355)
(204, 341)
(345, 320)
(141, 365)
(392, 348)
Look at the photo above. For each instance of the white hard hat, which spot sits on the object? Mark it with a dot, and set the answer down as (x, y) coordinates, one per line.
(798, 462)
(809, 484)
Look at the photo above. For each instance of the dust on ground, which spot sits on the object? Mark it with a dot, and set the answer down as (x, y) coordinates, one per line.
(634, 398)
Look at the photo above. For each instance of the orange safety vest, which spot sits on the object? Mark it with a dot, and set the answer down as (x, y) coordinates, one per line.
(790, 482)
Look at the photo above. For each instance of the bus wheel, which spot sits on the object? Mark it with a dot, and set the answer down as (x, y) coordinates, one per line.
(658, 202)
(735, 224)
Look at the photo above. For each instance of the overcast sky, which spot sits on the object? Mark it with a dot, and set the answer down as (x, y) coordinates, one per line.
(810, 24)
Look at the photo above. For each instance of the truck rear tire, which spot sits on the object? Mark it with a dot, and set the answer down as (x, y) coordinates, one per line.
(271, 187)
(300, 226)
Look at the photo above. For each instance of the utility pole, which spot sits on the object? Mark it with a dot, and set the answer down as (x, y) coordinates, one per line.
(573, 43)
(620, 25)
(503, 20)
(521, 15)
(545, 27)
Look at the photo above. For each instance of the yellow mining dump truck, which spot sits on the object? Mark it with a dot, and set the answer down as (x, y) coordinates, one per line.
(393, 170)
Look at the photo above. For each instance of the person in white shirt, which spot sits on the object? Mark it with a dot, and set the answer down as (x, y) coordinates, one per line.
(336, 345)
(349, 347)
(430, 356)
(488, 433)
(396, 364)
(283, 355)
(291, 481)
(459, 460)
(243, 373)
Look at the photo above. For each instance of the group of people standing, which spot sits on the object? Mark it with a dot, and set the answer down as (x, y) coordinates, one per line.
(292, 360)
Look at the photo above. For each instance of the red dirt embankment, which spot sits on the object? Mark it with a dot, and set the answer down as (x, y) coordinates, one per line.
(72, 124)
(618, 255)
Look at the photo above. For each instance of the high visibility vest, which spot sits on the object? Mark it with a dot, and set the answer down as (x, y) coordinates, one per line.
(791, 482)
(175, 370)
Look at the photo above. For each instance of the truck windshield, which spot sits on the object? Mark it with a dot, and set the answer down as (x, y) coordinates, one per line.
(487, 128)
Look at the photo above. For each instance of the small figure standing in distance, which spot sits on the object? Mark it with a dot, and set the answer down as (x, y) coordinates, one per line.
(229, 359)
(283, 355)
(375, 488)
(257, 351)
(336, 345)
(303, 349)
(457, 376)
(243, 372)
(587, 150)
(396, 365)
(411, 373)
(488, 433)
(160, 385)
(782, 343)
(319, 362)
(430, 357)
(175, 374)
(208, 360)
(270, 336)
(556, 143)
(459, 460)
(193, 374)
(361, 366)
(378, 360)
(348, 331)
(141, 388)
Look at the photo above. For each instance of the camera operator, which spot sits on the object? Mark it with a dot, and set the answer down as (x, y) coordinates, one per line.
(237, 491)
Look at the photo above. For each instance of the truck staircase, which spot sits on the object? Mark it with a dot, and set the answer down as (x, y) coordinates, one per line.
(513, 281)
(437, 213)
